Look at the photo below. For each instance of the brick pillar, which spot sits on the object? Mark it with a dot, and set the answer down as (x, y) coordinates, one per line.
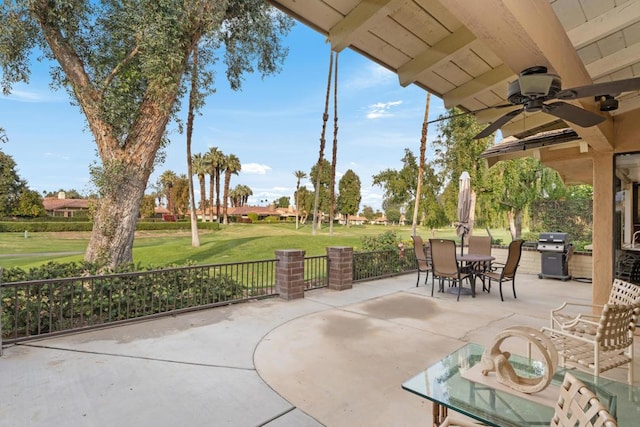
(290, 273)
(340, 260)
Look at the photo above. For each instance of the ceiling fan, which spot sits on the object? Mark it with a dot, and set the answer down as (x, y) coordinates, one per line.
(535, 86)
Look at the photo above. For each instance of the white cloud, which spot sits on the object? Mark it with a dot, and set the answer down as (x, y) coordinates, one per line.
(32, 96)
(56, 156)
(370, 76)
(256, 168)
(19, 95)
(382, 109)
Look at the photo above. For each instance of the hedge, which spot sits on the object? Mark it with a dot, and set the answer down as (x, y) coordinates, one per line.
(21, 227)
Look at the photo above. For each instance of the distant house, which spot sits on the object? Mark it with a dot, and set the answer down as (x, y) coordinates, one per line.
(353, 219)
(63, 207)
(164, 213)
(241, 213)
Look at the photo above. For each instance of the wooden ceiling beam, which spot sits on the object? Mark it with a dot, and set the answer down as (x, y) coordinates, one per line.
(606, 24)
(616, 61)
(437, 54)
(359, 19)
(480, 84)
(513, 30)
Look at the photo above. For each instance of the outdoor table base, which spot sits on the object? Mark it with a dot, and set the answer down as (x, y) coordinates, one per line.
(463, 291)
(475, 263)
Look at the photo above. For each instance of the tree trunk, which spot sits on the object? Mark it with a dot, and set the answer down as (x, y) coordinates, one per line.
(116, 217)
(195, 239)
(515, 223)
(334, 159)
(225, 197)
(218, 195)
(211, 182)
(423, 147)
(297, 204)
(325, 117)
(518, 224)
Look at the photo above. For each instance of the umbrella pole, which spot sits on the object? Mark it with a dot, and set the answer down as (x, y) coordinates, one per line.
(462, 244)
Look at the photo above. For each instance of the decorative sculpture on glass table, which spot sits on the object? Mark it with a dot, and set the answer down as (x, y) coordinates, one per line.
(496, 360)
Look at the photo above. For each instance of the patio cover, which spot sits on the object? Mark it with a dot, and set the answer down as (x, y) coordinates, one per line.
(466, 52)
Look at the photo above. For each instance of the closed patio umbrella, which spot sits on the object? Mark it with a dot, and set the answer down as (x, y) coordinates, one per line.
(464, 207)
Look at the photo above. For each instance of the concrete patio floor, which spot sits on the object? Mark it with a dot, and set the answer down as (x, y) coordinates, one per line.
(332, 358)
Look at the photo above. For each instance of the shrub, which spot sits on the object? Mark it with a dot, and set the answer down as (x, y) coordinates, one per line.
(106, 297)
(382, 242)
(57, 226)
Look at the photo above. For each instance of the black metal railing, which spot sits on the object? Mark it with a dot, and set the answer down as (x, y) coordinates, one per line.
(379, 264)
(47, 307)
(39, 308)
(315, 272)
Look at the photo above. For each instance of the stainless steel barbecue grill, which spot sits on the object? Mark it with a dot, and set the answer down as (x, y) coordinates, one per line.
(555, 250)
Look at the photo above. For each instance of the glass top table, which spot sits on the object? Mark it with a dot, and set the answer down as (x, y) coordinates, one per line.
(445, 384)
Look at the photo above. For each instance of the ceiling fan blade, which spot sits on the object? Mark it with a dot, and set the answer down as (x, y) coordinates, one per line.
(572, 114)
(465, 113)
(498, 123)
(607, 88)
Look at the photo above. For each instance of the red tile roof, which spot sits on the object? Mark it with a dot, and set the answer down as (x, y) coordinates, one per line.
(54, 204)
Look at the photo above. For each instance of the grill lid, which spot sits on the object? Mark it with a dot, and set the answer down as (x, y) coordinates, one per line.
(561, 238)
(553, 242)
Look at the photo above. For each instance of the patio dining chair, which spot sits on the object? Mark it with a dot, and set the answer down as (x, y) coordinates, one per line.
(423, 258)
(567, 317)
(576, 405)
(445, 265)
(610, 347)
(481, 245)
(505, 272)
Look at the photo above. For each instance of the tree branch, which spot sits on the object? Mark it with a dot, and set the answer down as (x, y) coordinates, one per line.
(107, 81)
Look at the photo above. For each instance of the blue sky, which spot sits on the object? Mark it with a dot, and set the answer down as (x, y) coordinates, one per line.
(273, 125)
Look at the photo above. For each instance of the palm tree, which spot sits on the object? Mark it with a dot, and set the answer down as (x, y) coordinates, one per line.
(234, 197)
(423, 147)
(231, 167)
(332, 204)
(166, 180)
(243, 192)
(215, 158)
(201, 168)
(325, 117)
(300, 175)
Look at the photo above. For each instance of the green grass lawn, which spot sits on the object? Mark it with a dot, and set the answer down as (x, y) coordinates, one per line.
(232, 243)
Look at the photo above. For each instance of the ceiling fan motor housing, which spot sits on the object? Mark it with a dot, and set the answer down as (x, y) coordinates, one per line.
(533, 86)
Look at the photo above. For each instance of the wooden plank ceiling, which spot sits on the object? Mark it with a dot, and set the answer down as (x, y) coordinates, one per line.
(466, 52)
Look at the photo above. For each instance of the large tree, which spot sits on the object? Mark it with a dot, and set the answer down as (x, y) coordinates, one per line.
(166, 182)
(123, 64)
(322, 195)
(29, 204)
(401, 188)
(180, 194)
(368, 213)
(11, 185)
(349, 196)
(305, 200)
(457, 151)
